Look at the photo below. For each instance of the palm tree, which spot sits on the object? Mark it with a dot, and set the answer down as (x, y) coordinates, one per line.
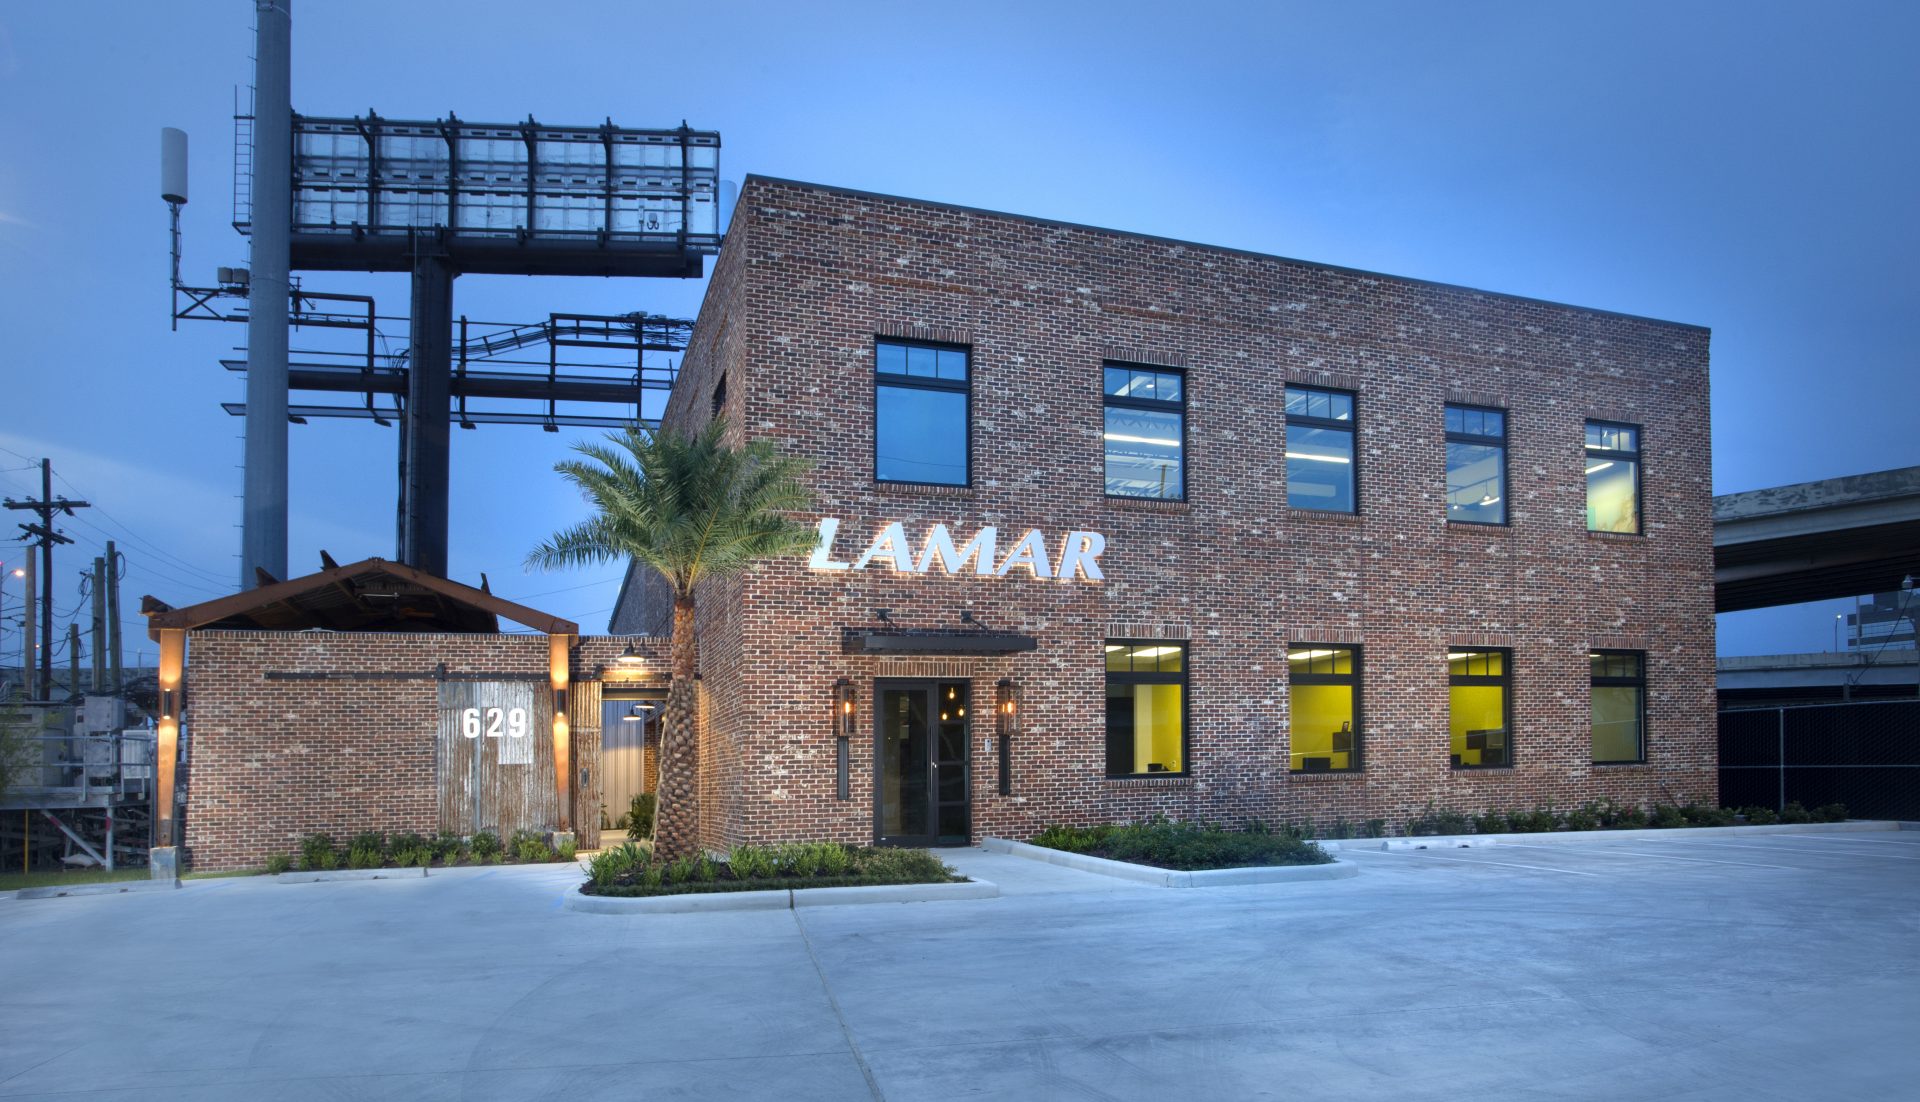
(692, 508)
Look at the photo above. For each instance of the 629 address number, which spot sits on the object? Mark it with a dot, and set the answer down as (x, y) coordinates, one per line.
(475, 721)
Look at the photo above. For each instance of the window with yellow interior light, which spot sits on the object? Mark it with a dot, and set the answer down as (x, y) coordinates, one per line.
(1146, 708)
(1619, 702)
(1480, 708)
(1323, 708)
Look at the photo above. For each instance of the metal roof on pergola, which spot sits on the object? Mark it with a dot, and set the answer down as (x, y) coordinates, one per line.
(372, 595)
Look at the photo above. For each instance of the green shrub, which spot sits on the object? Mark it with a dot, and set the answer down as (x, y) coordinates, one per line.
(1186, 845)
(752, 863)
(485, 847)
(694, 868)
(1341, 828)
(1628, 818)
(1584, 817)
(1759, 816)
(278, 863)
(410, 849)
(1667, 816)
(1490, 822)
(899, 865)
(640, 818)
(317, 853)
(1072, 839)
(1795, 812)
(1701, 815)
(1541, 820)
(1830, 813)
(530, 847)
(567, 849)
(611, 865)
(1376, 828)
(449, 848)
(367, 850)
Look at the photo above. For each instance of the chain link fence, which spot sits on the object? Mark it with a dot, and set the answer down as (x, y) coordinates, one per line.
(1864, 754)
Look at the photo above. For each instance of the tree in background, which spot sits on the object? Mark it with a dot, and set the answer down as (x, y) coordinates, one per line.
(692, 508)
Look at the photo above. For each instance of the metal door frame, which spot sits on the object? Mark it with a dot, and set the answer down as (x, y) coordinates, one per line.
(930, 686)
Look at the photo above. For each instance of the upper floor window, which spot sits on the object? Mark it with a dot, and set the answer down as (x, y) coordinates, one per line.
(1613, 477)
(1320, 452)
(1323, 703)
(1146, 432)
(1476, 465)
(920, 413)
(1146, 708)
(1619, 705)
(1479, 707)
(719, 396)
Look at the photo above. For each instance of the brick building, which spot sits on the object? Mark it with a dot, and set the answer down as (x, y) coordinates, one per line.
(1230, 535)
(376, 697)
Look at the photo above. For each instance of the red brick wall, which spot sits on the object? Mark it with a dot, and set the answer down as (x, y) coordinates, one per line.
(809, 276)
(276, 759)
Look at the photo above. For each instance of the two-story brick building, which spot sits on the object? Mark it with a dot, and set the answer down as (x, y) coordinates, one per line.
(1115, 526)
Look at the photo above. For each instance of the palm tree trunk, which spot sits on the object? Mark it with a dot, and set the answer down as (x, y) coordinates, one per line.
(676, 824)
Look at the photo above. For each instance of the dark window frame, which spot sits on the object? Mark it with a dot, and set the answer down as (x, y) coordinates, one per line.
(1639, 682)
(1637, 457)
(1155, 678)
(719, 402)
(1504, 680)
(1155, 405)
(1506, 458)
(1350, 427)
(1355, 679)
(963, 387)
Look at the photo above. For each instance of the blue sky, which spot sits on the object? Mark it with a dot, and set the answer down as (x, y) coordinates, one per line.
(1744, 166)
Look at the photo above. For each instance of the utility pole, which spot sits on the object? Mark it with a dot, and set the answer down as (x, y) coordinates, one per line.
(73, 659)
(97, 637)
(44, 534)
(263, 531)
(113, 617)
(28, 666)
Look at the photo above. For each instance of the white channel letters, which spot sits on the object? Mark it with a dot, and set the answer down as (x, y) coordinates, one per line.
(1078, 558)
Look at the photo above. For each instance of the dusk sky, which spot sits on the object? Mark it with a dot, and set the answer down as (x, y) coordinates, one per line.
(1746, 166)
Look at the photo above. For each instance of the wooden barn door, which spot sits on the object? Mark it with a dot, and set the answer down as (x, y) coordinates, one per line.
(583, 715)
(496, 757)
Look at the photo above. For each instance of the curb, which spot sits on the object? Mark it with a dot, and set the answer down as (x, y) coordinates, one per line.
(781, 899)
(413, 872)
(1173, 878)
(1577, 837)
(112, 887)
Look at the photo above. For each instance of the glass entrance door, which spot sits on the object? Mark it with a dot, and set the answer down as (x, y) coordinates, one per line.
(920, 762)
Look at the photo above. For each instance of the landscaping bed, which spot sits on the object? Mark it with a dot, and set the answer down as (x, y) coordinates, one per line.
(375, 850)
(1606, 815)
(630, 870)
(1185, 846)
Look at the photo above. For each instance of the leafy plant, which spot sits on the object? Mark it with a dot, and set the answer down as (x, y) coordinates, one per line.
(278, 863)
(1701, 815)
(1489, 822)
(1759, 816)
(639, 817)
(1667, 816)
(1439, 821)
(752, 862)
(317, 853)
(1830, 813)
(449, 848)
(1584, 817)
(1185, 845)
(1376, 828)
(485, 847)
(567, 849)
(367, 850)
(610, 865)
(1340, 828)
(530, 847)
(410, 849)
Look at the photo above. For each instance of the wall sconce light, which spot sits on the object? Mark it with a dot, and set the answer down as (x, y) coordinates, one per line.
(843, 719)
(1006, 720)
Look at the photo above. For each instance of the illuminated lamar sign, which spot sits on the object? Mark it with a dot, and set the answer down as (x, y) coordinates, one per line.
(1079, 557)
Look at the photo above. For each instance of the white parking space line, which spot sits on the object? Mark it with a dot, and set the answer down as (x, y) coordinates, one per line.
(1835, 848)
(1663, 857)
(1468, 861)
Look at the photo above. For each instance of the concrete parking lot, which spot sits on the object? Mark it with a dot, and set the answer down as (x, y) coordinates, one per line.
(1739, 968)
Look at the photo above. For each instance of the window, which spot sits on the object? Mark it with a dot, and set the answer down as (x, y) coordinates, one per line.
(1146, 709)
(920, 414)
(1323, 704)
(719, 396)
(1619, 706)
(1613, 477)
(1479, 708)
(1320, 449)
(1146, 432)
(1476, 465)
